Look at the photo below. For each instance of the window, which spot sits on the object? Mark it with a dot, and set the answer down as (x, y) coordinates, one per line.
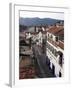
(48, 34)
(56, 39)
(60, 74)
(60, 59)
(51, 36)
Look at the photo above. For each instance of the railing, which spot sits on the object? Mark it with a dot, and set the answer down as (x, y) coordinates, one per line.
(51, 56)
(52, 42)
(56, 44)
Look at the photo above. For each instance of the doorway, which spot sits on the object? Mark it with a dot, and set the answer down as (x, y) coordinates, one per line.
(53, 69)
(60, 74)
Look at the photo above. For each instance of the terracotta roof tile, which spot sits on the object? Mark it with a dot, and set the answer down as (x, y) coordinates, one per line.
(61, 32)
(55, 30)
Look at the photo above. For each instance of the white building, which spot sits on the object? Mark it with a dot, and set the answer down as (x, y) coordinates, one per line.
(55, 50)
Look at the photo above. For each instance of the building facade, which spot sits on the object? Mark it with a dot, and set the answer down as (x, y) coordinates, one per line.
(55, 50)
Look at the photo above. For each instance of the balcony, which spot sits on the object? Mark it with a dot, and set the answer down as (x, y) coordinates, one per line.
(56, 44)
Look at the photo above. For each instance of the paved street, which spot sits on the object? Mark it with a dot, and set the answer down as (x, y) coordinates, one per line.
(44, 70)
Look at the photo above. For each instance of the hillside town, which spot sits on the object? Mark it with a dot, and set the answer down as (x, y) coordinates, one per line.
(41, 51)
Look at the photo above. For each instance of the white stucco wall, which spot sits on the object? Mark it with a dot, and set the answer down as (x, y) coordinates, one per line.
(54, 61)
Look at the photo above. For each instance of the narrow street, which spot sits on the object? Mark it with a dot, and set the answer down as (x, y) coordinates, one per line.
(44, 69)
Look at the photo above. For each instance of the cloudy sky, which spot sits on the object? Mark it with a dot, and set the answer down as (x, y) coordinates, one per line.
(54, 15)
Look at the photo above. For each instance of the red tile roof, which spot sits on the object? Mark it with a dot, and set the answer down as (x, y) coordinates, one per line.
(56, 30)
(61, 32)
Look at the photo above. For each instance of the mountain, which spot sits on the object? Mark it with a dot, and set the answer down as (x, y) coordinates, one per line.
(37, 21)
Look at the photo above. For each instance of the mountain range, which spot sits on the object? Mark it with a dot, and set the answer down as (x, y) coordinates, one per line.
(37, 21)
